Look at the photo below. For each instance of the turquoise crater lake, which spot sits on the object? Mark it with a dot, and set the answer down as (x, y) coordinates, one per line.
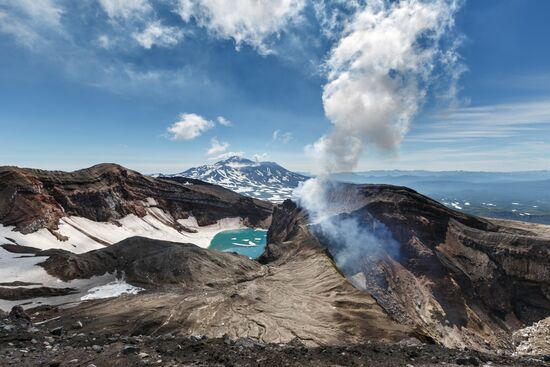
(247, 241)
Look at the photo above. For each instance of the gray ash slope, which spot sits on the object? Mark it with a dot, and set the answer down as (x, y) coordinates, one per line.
(261, 180)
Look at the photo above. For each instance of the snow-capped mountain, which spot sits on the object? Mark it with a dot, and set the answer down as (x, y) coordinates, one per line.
(261, 180)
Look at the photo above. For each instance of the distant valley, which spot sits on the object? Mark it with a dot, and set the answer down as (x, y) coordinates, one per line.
(508, 195)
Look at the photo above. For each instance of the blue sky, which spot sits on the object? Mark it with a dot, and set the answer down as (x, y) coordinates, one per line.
(143, 83)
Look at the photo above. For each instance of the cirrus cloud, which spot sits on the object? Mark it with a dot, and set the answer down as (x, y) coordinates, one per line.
(283, 137)
(125, 9)
(31, 22)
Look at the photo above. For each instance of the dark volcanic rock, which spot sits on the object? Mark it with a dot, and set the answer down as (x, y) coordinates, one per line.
(447, 277)
(183, 351)
(20, 293)
(17, 313)
(17, 284)
(52, 252)
(58, 331)
(448, 271)
(130, 349)
(17, 249)
(149, 262)
(32, 199)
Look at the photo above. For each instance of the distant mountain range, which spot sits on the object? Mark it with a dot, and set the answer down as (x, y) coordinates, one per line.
(528, 185)
(521, 196)
(261, 180)
(463, 176)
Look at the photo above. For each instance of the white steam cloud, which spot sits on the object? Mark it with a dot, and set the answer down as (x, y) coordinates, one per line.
(351, 235)
(378, 76)
(379, 73)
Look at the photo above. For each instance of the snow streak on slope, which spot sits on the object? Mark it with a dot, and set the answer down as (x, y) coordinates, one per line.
(23, 268)
(85, 235)
(261, 180)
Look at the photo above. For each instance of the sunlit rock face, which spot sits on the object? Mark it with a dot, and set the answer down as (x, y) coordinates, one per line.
(35, 199)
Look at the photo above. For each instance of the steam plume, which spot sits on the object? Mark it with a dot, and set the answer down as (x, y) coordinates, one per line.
(351, 236)
(378, 76)
(378, 73)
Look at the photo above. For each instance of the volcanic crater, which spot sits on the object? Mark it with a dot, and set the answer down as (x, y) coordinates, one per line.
(449, 279)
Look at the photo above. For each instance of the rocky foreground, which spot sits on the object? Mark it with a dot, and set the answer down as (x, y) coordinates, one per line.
(33, 340)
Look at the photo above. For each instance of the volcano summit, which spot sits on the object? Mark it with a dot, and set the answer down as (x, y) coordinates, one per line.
(260, 180)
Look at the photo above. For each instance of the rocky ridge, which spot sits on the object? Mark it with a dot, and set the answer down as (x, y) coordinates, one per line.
(32, 199)
(462, 280)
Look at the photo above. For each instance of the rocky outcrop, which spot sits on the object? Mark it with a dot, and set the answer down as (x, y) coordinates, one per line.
(155, 264)
(534, 339)
(22, 293)
(32, 199)
(464, 281)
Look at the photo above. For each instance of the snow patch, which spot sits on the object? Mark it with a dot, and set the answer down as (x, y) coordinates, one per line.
(151, 202)
(205, 234)
(18, 268)
(110, 290)
(85, 235)
(456, 205)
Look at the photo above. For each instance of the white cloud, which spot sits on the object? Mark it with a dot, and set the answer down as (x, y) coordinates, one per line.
(217, 147)
(260, 157)
(378, 76)
(42, 11)
(226, 155)
(223, 121)
(245, 21)
(104, 41)
(332, 15)
(185, 9)
(283, 137)
(189, 126)
(157, 34)
(125, 9)
(29, 21)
